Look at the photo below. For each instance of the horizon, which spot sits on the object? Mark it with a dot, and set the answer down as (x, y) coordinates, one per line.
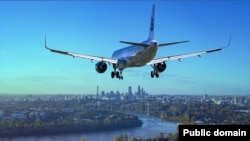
(95, 28)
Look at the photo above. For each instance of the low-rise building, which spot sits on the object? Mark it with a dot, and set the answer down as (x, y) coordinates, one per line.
(18, 115)
(1, 113)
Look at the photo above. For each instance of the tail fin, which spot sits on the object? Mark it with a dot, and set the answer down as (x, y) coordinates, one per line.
(151, 29)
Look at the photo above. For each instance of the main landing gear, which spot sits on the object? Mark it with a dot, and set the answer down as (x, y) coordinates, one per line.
(154, 73)
(117, 74)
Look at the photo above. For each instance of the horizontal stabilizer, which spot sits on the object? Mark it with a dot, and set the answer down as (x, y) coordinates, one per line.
(172, 43)
(135, 44)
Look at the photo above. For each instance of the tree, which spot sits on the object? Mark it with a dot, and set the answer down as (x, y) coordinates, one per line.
(161, 135)
(125, 137)
(37, 122)
(133, 139)
(186, 118)
(171, 137)
(83, 139)
(116, 139)
(163, 115)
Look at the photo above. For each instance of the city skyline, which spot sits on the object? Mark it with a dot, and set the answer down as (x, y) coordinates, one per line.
(96, 28)
(131, 90)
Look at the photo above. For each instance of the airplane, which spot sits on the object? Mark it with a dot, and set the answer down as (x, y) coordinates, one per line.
(137, 55)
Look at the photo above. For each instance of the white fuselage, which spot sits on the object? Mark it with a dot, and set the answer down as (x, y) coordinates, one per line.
(135, 56)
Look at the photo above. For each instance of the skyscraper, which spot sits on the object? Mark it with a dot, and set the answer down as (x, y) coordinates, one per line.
(139, 90)
(97, 92)
(130, 90)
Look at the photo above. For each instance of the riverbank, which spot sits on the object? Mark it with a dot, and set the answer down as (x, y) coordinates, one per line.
(150, 128)
(106, 124)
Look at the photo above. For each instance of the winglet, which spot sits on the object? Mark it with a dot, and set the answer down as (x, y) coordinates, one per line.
(45, 44)
(229, 42)
(218, 49)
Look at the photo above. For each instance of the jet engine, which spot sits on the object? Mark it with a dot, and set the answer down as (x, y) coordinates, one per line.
(160, 67)
(101, 67)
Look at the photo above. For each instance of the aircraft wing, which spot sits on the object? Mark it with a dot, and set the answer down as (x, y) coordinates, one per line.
(181, 56)
(97, 58)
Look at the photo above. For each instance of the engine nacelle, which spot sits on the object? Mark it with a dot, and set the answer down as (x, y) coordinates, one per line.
(160, 67)
(101, 67)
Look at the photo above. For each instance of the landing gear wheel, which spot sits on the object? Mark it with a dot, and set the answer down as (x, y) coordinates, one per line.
(117, 74)
(152, 74)
(112, 74)
(120, 75)
(157, 74)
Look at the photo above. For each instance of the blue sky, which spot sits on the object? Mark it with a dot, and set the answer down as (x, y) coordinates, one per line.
(95, 28)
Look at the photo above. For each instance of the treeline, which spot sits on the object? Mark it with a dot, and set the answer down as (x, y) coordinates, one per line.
(187, 113)
(160, 137)
(206, 112)
(21, 128)
(63, 117)
(74, 116)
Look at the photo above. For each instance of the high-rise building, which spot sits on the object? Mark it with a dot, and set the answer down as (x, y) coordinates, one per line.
(130, 90)
(205, 97)
(102, 93)
(97, 92)
(111, 93)
(139, 91)
(234, 100)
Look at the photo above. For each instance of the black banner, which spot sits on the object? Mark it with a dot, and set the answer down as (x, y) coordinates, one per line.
(217, 132)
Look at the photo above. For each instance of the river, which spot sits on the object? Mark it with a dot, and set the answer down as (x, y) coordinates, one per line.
(151, 128)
